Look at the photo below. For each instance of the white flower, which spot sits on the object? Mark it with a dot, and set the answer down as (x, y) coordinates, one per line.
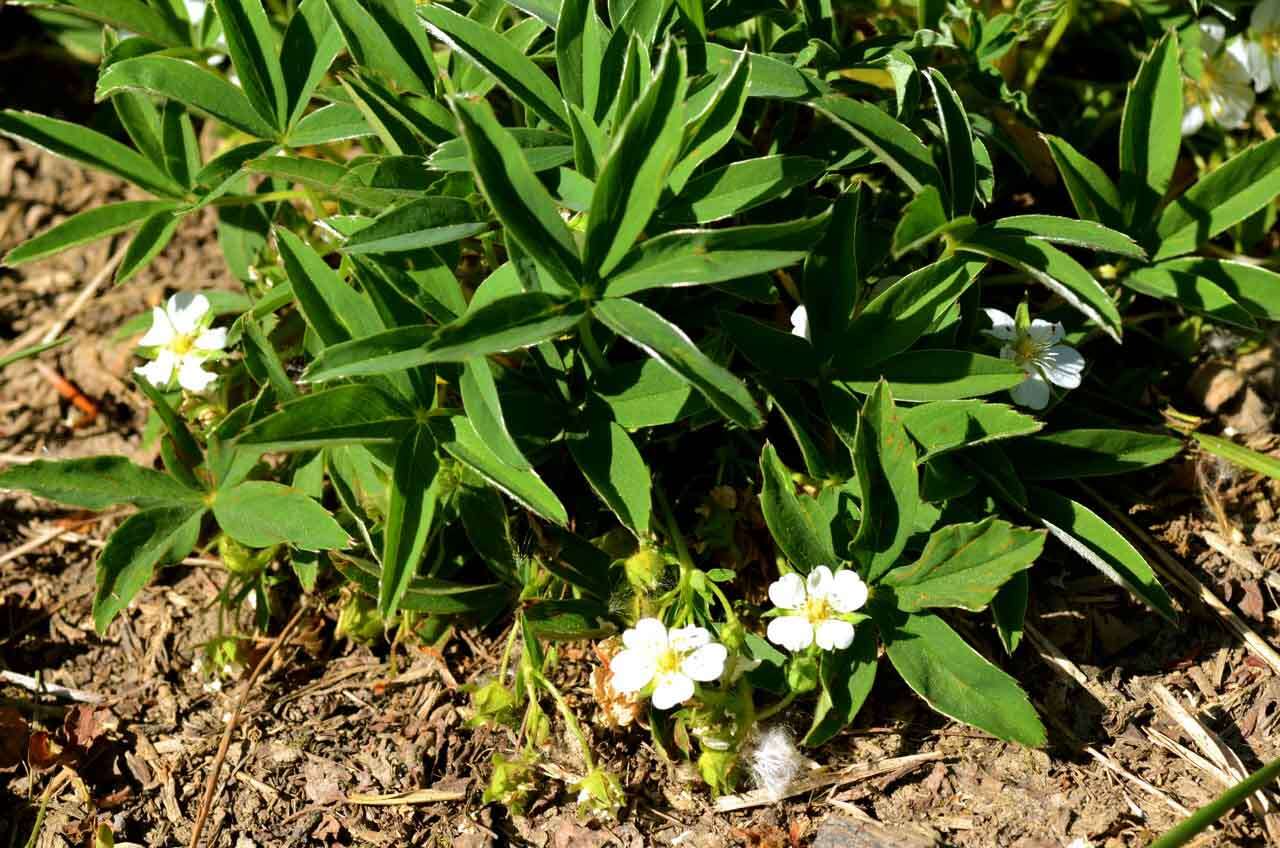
(800, 322)
(671, 661)
(818, 603)
(195, 10)
(775, 761)
(1039, 355)
(1222, 93)
(183, 341)
(1262, 50)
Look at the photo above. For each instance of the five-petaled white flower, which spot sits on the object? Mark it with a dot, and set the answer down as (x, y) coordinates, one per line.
(670, 660)
(1222, 93)
(817, 604)
(1038, 354)
(800, 322)
(1263, 46)
(183, 342)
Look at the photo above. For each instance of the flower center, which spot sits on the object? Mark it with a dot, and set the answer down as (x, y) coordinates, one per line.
(817, 609)
(1269, 41)
(182, 345)
(1025, 349)
(668, 661)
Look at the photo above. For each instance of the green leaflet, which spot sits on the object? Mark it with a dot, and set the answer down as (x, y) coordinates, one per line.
(944, 426)
(885, 462)
(896, 146)
(955, 679)
(416, 486)
(636, 167)
(87, 226)
(1150, 133)
(1092, 192)
(1099, 544)
(97, 483)
(255, 54)
(359, 412)
(669, 345)
(798, 526)
(925, 375)
(1069, 454)
(957, 139)
(72, 141)
(189, 84)
(740, 186)
(427, 222)
(845, 678)
(144, 540)
(964, 565)
(260, 513)
(1239, 454)
(612, 464)
(517, 72)
(383, 35)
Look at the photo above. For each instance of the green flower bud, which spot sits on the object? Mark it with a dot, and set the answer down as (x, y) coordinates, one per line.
(493, 704)
(359, 619)
(644, 569)
(600, 794)
(512, 783)
(717, 769)
(802, 673)
(242, 560)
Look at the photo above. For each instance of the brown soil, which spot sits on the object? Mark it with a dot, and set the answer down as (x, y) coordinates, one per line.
(329, 719)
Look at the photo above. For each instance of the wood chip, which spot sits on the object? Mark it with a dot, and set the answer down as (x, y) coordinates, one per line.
(396, 799)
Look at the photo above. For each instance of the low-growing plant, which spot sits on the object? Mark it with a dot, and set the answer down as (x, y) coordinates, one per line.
(544, 304)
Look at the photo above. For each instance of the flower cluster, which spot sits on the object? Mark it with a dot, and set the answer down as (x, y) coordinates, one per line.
(1233, 70)
(668, 664)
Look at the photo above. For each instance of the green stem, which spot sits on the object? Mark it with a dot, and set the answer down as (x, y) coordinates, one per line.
(776, 708)
(682, 553)
(506, 654)
(265, 197)
(592, 348)
(1050, 42)
(1218, 807)
(570, 719)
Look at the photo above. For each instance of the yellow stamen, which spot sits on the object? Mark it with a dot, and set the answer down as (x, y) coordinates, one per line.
(668, 662)
(817, 609)
(182, 344)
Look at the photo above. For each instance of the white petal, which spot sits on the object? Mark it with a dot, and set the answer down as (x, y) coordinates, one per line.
(1045, 332)
(213, 339)
(793, 632)
(1063, 366)
(706, 663)
(185, 311)
(688, 639)
(672, 688)
(1230, 102)
(192, 376)
(649, 636)
(1002, 325)
(800, 322)
(848, 592)
(1032, 392)
(819, 582)
(195, 10)
(787, 592)
(159, 371)
(1258, 64)
(1192, 119)
(631, 671)
(161, 331)
(1212, 32)
(834, 634)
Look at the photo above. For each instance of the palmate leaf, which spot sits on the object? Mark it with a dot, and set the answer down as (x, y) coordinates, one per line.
(636, 167)
(517, 197)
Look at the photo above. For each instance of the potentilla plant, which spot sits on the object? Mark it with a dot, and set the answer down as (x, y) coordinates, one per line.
(521, 284)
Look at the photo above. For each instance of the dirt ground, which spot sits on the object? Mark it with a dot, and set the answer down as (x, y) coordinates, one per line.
(1145, 720)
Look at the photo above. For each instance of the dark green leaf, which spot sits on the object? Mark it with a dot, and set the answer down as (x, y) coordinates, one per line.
(924, 375)
(964, 565)
(645, 393)
(72, 141)
(1069, 454)
(845, 678)
(153, 236)
(668, 344)
(415, 498)
(188, 84)
(97, 483)
(311, 41)
(798, 526)
(636, 168)
(891, 142)
(956, 680)
(143, 541)
(613, 466)
(1098, 543)
(383, 35)
(427, 222)
(1086, 234)
(1093, 194)
(334, 310)
(885, 461)
(770, 349)
(359, 412)
(580, 40)
(1189, 289)
(255, 55)
(711, 128)
(261, 514)
(740, 186)
(957, 139)
(483, 405)
(87, 226)
(1150, 132)
(1252, 286)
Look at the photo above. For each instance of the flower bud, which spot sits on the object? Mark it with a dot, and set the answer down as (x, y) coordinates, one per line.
(600, 794)
(492, 704)
(644, 569)
(716, 768)
(242, 560)
(512, 783)
(802, 673)
(359, 619)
